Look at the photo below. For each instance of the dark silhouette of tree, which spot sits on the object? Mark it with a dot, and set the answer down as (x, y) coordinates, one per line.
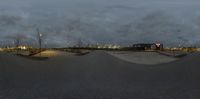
(17, 39)
(79, 43)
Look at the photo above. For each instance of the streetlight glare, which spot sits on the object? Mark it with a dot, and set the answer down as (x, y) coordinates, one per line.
(40, 34)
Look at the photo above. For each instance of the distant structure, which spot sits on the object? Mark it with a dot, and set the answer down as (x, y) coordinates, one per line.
(39, 36)
(23, 47)
(147, 46)
(159, 46)
(142, 46)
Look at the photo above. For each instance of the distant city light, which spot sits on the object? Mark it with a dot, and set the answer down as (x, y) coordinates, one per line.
(22, 47)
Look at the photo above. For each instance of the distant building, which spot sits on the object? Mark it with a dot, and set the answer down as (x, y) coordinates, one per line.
(142, 46)
(159, 46)
(147, 46)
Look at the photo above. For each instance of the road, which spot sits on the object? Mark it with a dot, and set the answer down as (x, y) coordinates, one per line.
(97, 75)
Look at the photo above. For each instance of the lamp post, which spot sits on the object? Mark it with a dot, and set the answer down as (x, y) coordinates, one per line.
(39, 40)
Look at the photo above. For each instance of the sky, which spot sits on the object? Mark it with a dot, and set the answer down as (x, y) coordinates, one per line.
(67, 22)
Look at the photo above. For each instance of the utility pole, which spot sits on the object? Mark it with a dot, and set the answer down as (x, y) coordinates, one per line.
(39, 40)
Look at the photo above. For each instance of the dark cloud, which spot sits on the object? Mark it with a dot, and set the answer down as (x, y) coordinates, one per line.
(65, 22)
(6, 20)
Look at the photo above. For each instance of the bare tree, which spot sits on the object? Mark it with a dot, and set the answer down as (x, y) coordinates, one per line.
(79, 43)
(17, 39)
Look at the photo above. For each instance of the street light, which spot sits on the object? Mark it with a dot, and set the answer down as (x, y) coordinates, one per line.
(40, 34)
(39, 40)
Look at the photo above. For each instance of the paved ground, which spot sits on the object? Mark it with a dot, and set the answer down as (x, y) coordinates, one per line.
(149, 58)
(97, 75)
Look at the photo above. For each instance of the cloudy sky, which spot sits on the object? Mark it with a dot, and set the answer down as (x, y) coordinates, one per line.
(66, 22)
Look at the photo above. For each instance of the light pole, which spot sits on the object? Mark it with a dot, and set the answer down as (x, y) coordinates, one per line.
(39, 40)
